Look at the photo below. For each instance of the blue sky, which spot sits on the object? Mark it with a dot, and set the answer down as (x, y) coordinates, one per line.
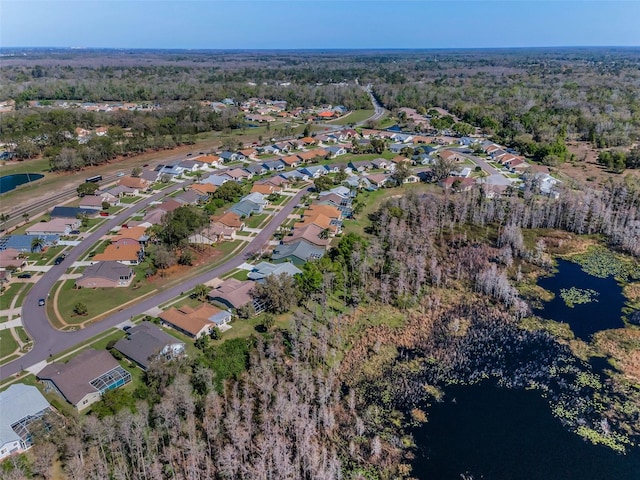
(317, 23)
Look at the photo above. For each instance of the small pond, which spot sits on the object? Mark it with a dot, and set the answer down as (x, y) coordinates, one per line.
(485, 432)
(9, 182)
(603, 313)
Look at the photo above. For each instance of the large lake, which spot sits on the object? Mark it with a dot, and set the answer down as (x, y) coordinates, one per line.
(9, 182)
(485, 432)
(587, 318)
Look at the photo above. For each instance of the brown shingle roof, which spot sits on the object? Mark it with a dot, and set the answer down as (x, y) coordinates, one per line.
(229, 219)
(133, 182)
(310, 233)
(233, 292)
(119, 253)
(189, 319)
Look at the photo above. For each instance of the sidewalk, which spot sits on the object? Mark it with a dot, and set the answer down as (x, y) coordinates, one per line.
(16, 322)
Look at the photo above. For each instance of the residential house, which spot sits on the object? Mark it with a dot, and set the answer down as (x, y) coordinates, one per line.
(203, 189)
(378, 179)
(105, 274)
(336, 150)
(411, 179)
(257, 197)
(356, 182)
(234, 294)
(468, 141)
(451, 155)
(146, 342)
(314, 171)
(213, 234)
(174, 169)
(265, 189)
(122, 191)
(227, 156)
(256, 169)
(85, 378)
(20, 406)
(265, 269)
(400, 159)
(306, 141)
(55, 226)
(211, 161)
(298, 252)
(216, 180)
(246, 208)
(295, 175)
(276, 180)
(402, 137)
(137, 183)
(102, 131)
(360, 166)
(249, 153)
(230, 219)
(275, 165)
(190, 166)
(150, 176)
(464, 173)
(312, 155)
(269, 150)
(191, 197)
(284, 147)
(457, 184)
(291, 160)
(239, 174)
(127, 254)
(195, 322)
(9, 259)
(95, 202)
(396, 147)
(381, 164)
(311, 233)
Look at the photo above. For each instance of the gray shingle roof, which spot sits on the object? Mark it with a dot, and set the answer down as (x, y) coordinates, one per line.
(300, 250)
(144, 342)
(18, 402)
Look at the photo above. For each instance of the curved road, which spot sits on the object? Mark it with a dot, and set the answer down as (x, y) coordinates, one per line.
(50, 341)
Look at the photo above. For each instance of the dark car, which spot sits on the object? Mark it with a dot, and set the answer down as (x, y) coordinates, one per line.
(41, 302)
(145, 165)
(59, 260)
(74, 232)
(24, 275)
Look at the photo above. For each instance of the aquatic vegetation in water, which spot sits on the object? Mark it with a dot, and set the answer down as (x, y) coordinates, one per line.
(602, 263)
(577, 296)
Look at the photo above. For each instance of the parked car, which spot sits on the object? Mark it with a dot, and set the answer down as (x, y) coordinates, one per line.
(104, 214)
(25, 275)
(120, 174)
(41, 302)
(74, 232)
(59, 260)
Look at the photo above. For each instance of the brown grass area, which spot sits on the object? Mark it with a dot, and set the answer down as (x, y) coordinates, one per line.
(624, 346)
(586, 169)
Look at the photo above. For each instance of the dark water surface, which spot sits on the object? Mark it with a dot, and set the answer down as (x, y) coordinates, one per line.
(498, 434)
(587, 318)
(9, 182)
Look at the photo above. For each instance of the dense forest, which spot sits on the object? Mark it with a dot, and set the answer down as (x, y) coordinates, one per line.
(332, 396)
(525, 98)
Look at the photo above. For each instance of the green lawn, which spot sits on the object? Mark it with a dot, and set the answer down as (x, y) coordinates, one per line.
(43, 258)
(8, 344)
(254, 221)
(354, 117)
(8, 295)
(97, 300)
(129, 200)
(23, 293)
(36, 165)
(238, 275)
(352, 157)
(22, 334)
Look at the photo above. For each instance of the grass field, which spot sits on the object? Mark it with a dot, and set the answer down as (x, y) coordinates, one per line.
(354, 117)
(97, 300)
(8, 344)
(8, 295)
(254, 221)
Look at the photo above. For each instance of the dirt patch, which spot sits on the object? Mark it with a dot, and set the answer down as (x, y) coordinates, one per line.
(586, 169)
(201, 257)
